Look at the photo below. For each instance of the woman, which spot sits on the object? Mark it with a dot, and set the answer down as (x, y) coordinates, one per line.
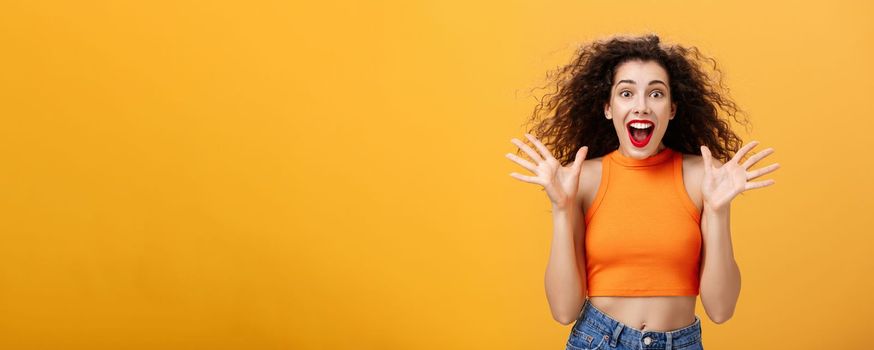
(641, 227)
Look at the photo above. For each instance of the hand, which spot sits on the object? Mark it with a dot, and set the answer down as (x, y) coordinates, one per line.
(722, 184)
(560, 182)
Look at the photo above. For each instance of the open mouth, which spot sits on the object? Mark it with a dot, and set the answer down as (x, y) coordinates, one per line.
(640, 131)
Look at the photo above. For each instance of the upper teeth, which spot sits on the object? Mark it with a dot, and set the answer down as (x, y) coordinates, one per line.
(640, 125)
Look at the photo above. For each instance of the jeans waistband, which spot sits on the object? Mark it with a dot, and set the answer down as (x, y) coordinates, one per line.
(621, 333)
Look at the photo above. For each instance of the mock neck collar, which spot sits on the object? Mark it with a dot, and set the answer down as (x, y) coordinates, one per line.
(658, 158)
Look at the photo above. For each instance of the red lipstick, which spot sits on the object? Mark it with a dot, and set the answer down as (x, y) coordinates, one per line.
(641, 143)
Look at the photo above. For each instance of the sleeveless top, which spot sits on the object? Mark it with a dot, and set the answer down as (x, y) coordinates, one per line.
(643, 232)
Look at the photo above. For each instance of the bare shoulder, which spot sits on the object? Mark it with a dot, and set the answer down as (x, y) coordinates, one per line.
(590, 179)
(693, 174)
(694, 162)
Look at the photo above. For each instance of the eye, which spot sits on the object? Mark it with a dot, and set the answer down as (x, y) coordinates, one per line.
(659, 93)
(622, 93)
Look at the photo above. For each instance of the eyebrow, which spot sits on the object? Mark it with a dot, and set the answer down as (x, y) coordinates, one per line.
(632, 82)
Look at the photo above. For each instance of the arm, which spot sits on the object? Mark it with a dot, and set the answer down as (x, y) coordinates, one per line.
(720, 275)
(561, 184)
(565, 289)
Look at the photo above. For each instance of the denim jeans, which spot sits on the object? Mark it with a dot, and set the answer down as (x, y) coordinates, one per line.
(596, 330)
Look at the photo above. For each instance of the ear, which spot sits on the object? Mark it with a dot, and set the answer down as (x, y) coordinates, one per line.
(673, 110)
(607, 111)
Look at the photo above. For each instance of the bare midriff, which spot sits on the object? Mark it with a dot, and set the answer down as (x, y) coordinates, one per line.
(658, 313)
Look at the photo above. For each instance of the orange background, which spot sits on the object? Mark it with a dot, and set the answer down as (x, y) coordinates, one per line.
(275, 175)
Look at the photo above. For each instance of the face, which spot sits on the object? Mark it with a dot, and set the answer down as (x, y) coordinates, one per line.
(640, 107)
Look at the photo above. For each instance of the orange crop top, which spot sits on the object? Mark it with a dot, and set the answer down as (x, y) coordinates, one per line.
(643, 232)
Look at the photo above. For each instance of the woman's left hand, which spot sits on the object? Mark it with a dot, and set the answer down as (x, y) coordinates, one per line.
(722, 184)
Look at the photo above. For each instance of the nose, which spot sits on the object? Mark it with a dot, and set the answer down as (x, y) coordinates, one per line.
(640, 106)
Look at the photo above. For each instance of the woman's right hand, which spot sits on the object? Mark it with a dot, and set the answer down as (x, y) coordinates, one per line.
(559, 182)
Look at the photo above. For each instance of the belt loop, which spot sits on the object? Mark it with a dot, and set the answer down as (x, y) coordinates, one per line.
(669, 343)
(615, 338)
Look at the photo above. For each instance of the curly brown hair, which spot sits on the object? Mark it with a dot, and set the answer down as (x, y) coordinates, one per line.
(583, 88)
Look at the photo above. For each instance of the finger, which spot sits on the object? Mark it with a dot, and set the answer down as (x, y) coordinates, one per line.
(743, 151)
(581, 156)
(543, 150)
(524, 163)
(759, 184)
(528, 179)
(708, 163)
(759, 172)
(530, 152)
(757, 157)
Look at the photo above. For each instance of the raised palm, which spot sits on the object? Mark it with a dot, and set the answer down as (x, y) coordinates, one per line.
(559, 182)
(721, 184)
